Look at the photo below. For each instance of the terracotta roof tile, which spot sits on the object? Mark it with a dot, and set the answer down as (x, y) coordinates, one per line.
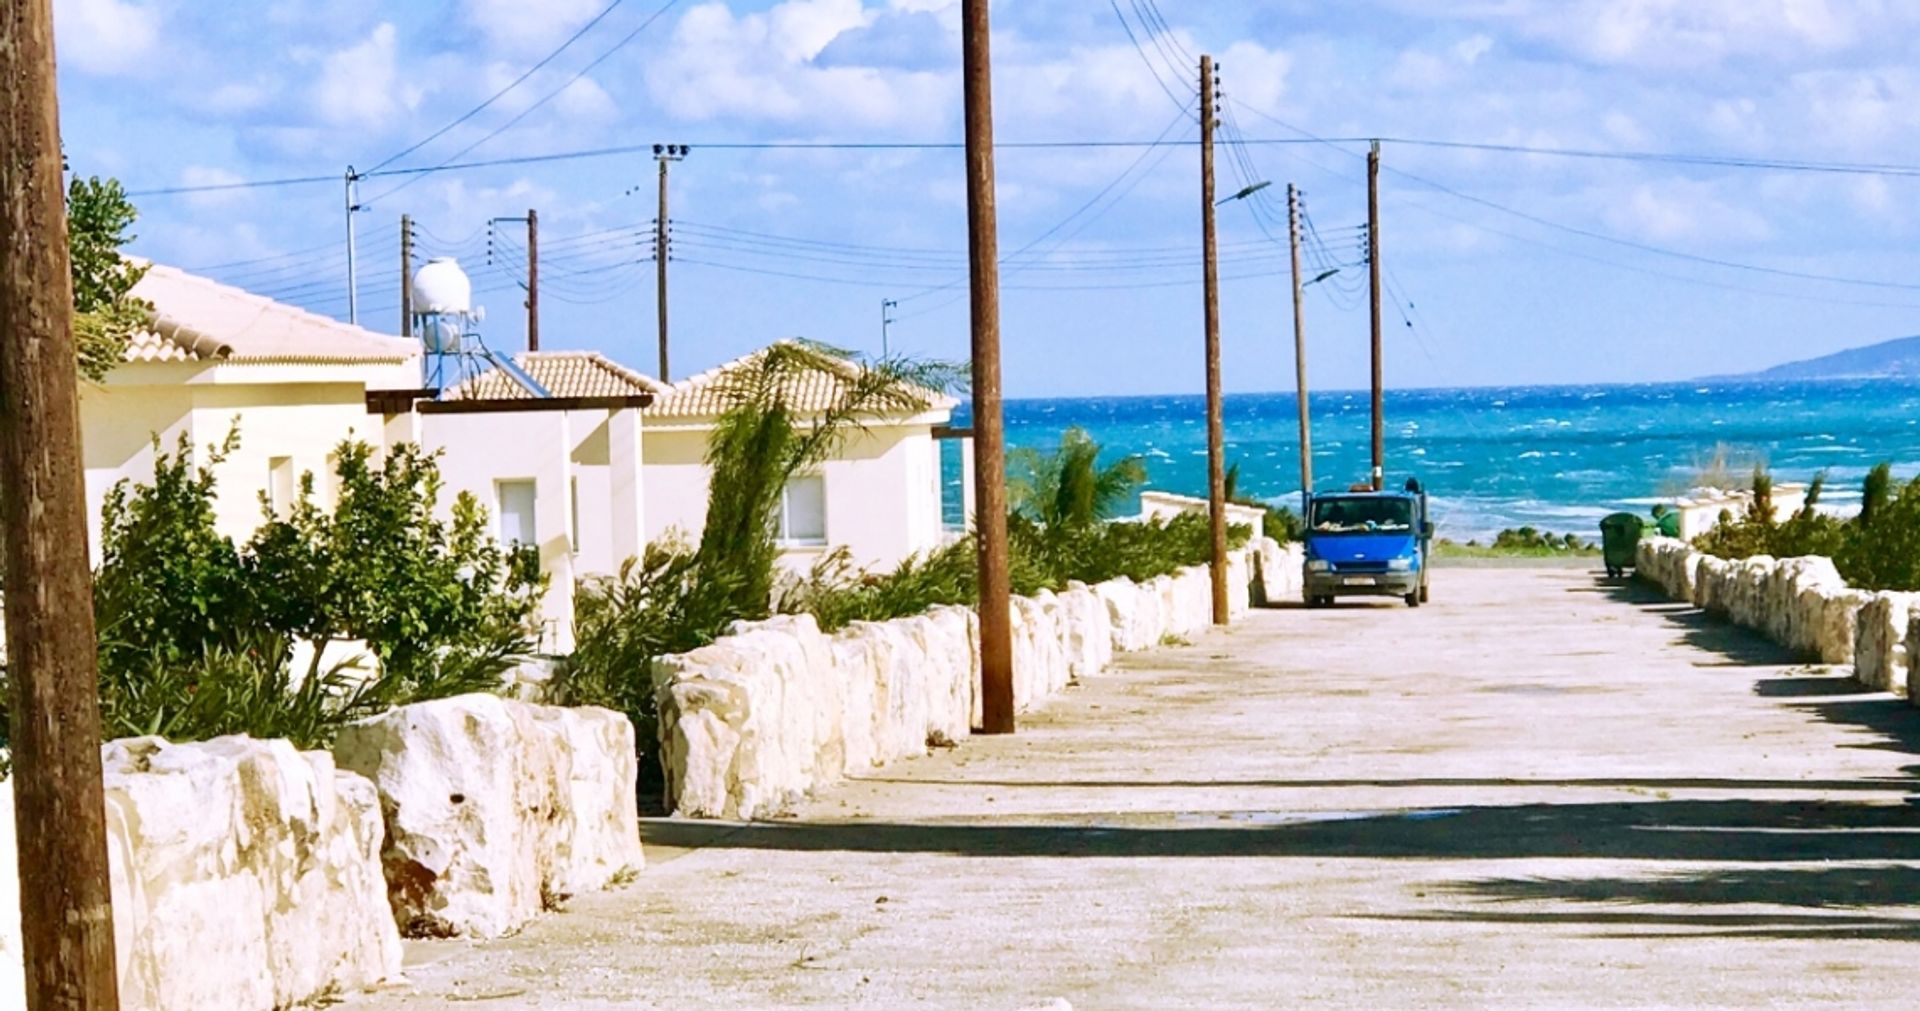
(564, 374)
(705, 395)
(199, 319)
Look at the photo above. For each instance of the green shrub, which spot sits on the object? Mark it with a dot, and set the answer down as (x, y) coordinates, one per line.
(1877, 550)
(196, 634)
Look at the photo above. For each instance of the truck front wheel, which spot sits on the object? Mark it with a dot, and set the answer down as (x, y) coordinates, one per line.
(1413, 599)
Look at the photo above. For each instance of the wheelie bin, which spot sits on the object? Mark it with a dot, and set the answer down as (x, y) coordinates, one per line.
(1619, 536)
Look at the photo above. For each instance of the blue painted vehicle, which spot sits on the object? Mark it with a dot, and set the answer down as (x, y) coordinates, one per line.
(1368, 543)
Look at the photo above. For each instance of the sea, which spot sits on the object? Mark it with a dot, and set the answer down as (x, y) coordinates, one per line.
(1556, 458)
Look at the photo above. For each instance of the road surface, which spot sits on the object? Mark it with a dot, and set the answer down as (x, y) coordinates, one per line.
(1537, 791)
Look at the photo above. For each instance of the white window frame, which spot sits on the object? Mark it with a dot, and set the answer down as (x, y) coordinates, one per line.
(786, 513)
(500, 487)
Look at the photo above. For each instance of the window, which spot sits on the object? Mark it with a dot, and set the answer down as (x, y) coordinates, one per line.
(515, 523)
(280, 485)
(1362, 515)
(803, 510)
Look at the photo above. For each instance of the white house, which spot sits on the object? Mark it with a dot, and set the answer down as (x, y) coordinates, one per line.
(217, 358)
(879, 496)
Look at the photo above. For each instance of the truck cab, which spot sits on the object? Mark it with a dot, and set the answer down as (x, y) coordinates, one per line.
(1367, 543)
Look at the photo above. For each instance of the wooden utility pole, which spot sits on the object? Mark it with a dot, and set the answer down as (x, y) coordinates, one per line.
(406, 275)
(989, 441)
(66, 906)
(1300, 349)
(533, 280)
(1216, 435)
(1373, 277)
(663, 153)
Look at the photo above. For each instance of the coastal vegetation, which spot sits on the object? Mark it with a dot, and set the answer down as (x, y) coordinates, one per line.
(198, 634)
(1518, 542)
(1877, 549)
(677, 597)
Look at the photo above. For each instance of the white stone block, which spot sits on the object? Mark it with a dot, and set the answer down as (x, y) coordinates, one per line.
(495, 808)
(245, 874)
(1880, 657)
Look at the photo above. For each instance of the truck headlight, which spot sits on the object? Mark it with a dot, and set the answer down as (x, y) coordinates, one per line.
(1400, 564)
(1319, 565)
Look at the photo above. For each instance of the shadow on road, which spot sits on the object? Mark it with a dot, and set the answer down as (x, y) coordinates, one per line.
(1747, 831)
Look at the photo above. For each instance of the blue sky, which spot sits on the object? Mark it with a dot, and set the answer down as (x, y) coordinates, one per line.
(167, 93)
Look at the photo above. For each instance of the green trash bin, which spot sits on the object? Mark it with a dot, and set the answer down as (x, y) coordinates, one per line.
(1619, 536)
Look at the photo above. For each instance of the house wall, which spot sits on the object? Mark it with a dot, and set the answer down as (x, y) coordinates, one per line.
(480, 450)
(302, 421)
(882, 493)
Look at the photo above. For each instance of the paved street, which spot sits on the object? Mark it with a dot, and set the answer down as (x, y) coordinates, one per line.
(1535, 792)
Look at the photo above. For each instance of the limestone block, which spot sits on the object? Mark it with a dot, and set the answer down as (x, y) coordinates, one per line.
(495, 808)
(1880, 657)
(748, 725)
(245, 874)
(1913, 651)
(1133, 613)
(1839, 623)
(953, 665)
(602, 790)
(1086, 633)
(1710, 584)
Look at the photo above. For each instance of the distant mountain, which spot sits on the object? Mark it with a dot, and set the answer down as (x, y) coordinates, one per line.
(1894, 359)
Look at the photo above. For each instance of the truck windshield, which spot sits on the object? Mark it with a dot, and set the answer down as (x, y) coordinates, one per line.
(1362, 515)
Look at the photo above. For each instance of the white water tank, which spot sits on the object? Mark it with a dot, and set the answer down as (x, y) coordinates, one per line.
(442, 288)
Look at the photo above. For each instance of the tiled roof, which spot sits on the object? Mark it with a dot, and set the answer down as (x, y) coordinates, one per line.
(198, 319)
(564, 374)
(707, 394)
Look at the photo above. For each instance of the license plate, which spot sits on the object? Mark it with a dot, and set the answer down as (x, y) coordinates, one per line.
(1360, 581)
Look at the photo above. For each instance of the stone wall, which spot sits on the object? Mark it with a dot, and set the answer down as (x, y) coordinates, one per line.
(246, 875)
(496, 809)
(753, 722)
(1801, 603)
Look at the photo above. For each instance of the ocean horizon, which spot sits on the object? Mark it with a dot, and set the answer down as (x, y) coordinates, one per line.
(1554, 457)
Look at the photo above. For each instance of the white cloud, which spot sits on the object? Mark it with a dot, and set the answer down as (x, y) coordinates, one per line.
(762, 67)
(361, 84)
(205, 175)
(1676, 209)
(530, 27)
(106, 37)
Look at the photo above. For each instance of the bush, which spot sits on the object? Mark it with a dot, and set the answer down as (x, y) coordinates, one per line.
(196, 634)
(1877, 550)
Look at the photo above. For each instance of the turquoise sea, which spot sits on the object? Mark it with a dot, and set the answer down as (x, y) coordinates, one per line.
(1553, 457)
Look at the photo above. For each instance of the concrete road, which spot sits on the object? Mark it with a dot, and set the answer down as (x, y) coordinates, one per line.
(1537, 791)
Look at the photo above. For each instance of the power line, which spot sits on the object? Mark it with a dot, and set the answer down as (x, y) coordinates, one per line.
(496, 96)
(1177, 100)
(540, 102)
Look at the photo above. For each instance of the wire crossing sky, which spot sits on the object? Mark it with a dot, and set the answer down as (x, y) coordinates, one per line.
(1582, 190)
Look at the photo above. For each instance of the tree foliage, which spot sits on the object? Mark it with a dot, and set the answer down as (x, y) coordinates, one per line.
(197, 634)
(1878, 549)
(100, 220)
(1067, 486)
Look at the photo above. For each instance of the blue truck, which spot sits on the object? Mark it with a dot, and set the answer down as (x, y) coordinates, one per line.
(1371, 543)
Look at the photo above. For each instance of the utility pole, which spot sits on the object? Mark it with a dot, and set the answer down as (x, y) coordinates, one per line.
(1373, 277)
(1300, 350)
(532, 283)
(1216, 436)
(406, 275)
(353, 279)
(887, 306)
(989, 440)
(533, 280)
(663, 153)
(66, 901)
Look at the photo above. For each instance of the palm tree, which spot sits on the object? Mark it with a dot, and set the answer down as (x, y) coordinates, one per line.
(1067, 488)
(765, 437)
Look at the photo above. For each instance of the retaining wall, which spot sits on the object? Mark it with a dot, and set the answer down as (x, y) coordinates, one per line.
(250, 875)
(245, 875)
(1801, 603)
(753, 722)
(494, 809)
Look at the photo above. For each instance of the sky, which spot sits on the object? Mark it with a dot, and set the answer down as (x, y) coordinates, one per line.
(1505, 268)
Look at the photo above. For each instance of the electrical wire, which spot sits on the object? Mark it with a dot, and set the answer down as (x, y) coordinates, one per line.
(496, 96)
(537, 104)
